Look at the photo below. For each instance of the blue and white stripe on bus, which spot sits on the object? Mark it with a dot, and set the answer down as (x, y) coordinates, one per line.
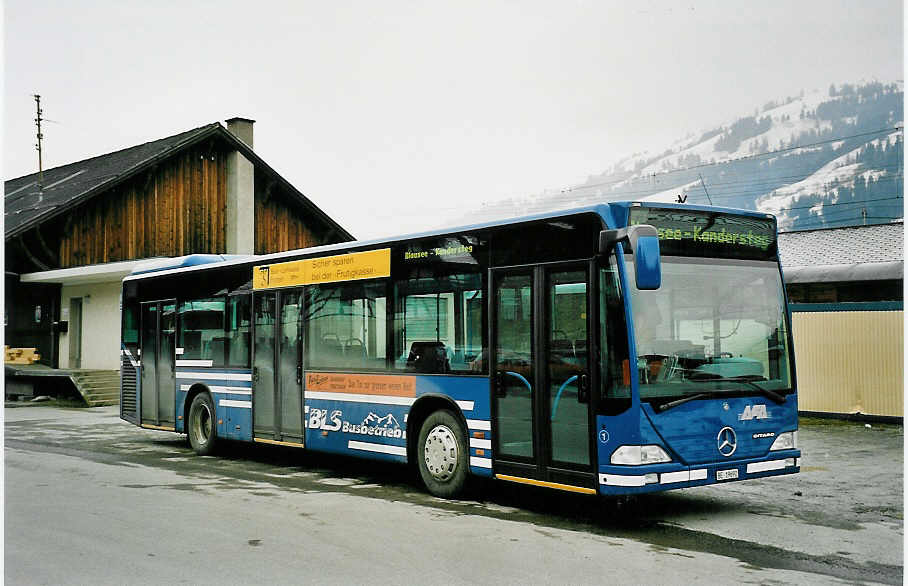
(481, 462)
(378, 448)
(232, 403)
(682, 476)
(125, 352)
(202, 363)
(214, 375)
(769, 465)
(482, 444)
(664, 478)
(622, 480)
(479, 424)
(221, 389)
(380, 399)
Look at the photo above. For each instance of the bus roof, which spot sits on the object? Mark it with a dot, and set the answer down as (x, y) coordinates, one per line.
(614, 213)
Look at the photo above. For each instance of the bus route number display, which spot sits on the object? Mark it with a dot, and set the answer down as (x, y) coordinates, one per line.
(696, 233)
(371, 264)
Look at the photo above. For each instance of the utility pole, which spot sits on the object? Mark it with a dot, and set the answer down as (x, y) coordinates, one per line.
(38, 146)
(864, 215)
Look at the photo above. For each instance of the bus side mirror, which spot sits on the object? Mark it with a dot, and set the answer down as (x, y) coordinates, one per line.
(647, 263)
(643, 241)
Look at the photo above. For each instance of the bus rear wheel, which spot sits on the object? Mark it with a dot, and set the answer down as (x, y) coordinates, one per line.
(202, 430)
(442, 454)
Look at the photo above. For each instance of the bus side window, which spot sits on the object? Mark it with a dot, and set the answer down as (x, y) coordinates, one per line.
(615, 362)
(238, 330)
(438, 323)
(131, 324)
(345, 326)
(202, 330)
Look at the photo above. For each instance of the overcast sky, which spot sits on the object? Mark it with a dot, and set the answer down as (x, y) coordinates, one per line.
(395, 116)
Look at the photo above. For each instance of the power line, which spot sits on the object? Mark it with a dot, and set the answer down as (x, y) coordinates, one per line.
(844, 203)
(838, 223)
(703, 183)
(745, 158)
(786, 180)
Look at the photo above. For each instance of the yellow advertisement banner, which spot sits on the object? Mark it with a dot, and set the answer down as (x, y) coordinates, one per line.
(371, 264)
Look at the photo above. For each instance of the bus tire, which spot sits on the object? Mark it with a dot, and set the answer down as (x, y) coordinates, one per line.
(442, 454)
(201, 428)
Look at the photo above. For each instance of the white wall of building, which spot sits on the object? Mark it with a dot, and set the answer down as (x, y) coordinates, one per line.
(100, 325)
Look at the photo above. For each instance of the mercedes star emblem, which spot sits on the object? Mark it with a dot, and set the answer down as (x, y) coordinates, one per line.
(727, 441)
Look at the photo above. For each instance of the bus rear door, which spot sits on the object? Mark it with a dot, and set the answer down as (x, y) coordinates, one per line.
(277, 397)
(158, 383)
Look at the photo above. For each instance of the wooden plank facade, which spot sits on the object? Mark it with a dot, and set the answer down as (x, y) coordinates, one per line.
(164, 198)
(177, 208)
(278, 224)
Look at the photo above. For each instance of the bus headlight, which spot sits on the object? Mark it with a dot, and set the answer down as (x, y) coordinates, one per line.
(639, 455)
(785, 441)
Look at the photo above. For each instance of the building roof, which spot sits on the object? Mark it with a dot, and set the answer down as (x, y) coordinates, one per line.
(70, 185)
(854, 253)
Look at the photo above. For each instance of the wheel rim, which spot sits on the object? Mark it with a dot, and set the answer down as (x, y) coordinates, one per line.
(440, 453)
(201, 425)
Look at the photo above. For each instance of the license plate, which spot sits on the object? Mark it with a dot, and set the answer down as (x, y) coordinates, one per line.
(727, 474)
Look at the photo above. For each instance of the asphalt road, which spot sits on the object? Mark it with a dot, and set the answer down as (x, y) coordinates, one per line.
(92, 499)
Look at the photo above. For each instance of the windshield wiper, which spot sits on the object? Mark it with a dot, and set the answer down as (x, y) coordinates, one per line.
(666, 406)
(744, 379)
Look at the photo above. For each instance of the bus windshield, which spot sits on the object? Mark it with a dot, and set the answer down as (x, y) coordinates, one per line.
(715, 326)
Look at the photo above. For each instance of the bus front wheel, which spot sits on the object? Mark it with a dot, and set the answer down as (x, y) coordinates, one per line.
(442, 454)
(202, 429)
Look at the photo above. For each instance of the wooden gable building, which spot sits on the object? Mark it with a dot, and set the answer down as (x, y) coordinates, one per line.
(74, 232)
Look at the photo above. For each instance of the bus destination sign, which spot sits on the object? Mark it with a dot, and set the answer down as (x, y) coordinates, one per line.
(698, 233)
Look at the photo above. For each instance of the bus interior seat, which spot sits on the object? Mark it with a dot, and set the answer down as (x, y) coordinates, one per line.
(562, 348)
(217, 350)
(354, 347)
(354, 352)
(192, 344)
(330, 350)
(428, 357)
(238, 348)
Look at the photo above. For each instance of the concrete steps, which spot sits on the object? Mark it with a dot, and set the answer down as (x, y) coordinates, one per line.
(97, 387)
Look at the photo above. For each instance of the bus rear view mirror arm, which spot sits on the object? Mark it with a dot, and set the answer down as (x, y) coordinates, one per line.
(642, 241)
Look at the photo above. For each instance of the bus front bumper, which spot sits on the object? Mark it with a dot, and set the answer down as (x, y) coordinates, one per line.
(622, 480)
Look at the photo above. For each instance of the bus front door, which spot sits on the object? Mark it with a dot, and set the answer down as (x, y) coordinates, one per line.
(277, 397)
(158, 383)
(541, 376)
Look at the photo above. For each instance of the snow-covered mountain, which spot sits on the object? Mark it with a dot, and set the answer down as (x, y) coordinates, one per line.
(828, 157)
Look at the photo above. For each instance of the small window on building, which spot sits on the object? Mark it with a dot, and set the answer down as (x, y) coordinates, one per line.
(345, 326)
(202, 330)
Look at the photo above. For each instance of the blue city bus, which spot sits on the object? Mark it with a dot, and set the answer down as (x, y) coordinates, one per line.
(615, 349)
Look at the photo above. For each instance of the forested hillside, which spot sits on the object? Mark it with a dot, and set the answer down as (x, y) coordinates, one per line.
(819, 159)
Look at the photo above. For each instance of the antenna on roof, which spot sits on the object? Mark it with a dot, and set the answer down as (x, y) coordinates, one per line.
(38, 146)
